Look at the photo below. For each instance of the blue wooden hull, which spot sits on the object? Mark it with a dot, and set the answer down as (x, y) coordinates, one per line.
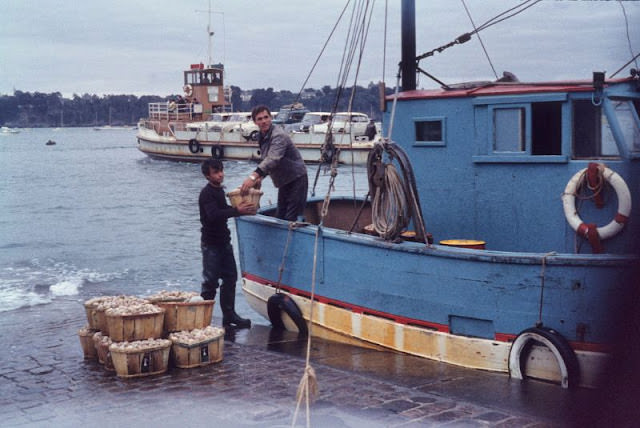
(480, 293)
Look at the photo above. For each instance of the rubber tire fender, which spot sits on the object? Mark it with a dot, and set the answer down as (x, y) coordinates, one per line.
(281, 302)
(557, 344)
(194, 146)
(217, 151)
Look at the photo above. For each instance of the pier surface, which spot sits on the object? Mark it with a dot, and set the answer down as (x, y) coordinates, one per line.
(45, 381)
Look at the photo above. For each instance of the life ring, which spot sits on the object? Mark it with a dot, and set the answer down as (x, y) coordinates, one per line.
(194, 146)
(557, 344)
(217, 152)
(188, 90)
(624, 203)
(281, 302)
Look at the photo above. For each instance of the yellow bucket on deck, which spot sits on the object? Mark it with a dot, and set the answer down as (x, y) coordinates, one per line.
(464, 243)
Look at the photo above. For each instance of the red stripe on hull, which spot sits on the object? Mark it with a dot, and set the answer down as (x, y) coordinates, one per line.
(500, 337)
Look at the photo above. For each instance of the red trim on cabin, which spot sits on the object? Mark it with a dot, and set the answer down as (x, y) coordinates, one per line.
(500, 337)
(496, 88)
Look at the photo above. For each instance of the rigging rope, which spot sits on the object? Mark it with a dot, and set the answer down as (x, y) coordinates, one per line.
(357, 32)
(479, 38)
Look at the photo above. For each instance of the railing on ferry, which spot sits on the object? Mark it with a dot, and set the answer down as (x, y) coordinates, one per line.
(174, 111)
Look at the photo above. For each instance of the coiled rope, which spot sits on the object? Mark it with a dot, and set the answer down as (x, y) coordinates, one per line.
(389, 205)
(395, 198)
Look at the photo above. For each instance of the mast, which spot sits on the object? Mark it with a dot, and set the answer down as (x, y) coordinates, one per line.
(209, 36)
(408, 64)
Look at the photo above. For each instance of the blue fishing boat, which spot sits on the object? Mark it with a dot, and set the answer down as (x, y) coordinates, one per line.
(497, 234)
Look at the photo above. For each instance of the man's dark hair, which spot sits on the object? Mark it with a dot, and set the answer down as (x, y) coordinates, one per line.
(259, 109)
(211, 163)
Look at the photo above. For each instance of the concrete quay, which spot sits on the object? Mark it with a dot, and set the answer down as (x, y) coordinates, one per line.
(44, 381)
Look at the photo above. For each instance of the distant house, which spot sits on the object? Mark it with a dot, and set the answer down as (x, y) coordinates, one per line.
(246, 96)
(308, 94)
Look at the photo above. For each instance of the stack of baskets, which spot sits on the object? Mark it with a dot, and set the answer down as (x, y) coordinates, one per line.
(135, 337)
(187, 322)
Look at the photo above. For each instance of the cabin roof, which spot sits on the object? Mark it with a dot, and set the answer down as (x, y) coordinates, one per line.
(475, 89)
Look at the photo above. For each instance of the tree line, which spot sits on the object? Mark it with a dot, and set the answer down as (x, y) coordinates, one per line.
(37, 109)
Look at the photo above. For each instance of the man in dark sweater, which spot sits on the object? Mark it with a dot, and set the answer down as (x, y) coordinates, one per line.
(218, 262)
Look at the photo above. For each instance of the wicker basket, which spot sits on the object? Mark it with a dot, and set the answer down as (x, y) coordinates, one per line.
(253, 196)
(102, 344)
(101, 319)
(149, 361)
(209, 351)
(180, 316)
(135, 327)
(86, 341)
(92, 318)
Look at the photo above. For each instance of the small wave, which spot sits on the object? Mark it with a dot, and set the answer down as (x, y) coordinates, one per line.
(37, 283)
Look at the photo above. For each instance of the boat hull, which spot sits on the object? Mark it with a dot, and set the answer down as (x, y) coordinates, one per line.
(178, 146)
(461, 306)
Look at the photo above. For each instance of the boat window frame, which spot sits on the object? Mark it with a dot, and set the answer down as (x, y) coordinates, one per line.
(443, 131)
(625, 148)
(525, 129)
(506, 101)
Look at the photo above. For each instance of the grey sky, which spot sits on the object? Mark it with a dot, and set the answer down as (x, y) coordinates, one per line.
(141, 47)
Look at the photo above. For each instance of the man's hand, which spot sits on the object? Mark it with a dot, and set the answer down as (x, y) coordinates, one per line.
(253, 181)
(246, 208)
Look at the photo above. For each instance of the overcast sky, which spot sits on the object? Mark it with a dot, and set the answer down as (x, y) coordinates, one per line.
(142, 46)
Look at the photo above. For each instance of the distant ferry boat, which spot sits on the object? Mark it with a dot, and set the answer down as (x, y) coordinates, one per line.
(197, 128)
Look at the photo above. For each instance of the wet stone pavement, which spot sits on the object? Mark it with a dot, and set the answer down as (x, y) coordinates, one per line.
(44, 381)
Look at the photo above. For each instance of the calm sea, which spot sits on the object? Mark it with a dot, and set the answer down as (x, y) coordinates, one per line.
(92, 216)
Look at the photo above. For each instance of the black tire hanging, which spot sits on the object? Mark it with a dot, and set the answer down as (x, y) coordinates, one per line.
(194, 146)
(217, 152)
(557, 344)
(279, 303)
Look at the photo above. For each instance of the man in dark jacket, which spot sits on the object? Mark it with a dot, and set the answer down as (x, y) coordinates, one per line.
(218, 262)
(280, 159)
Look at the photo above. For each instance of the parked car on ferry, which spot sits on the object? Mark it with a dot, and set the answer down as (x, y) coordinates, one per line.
(235, 120)
(345, 122)
(290, 114)
(308, 120)
(214, 123)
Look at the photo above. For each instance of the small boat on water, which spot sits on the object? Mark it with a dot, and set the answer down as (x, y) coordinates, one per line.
(497, 234)
(193, 128)
(50, 143)
(7, 130)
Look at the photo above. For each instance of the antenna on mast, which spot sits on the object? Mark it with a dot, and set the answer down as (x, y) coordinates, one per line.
(209, 34)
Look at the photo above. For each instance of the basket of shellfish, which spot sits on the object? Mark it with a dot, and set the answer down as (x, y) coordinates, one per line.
(140, 358)
(102, 344)
(198, 347)
(85, 334)
(252, 197)
(95, 309)
(135, 322)
(184, 310)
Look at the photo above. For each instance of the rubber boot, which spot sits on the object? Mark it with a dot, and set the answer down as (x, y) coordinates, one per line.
(228, 304)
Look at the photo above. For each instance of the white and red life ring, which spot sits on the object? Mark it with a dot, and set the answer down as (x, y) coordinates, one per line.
(624, 203)
(188, 90)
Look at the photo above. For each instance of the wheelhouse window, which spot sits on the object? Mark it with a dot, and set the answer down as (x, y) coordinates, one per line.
(592, 136)
(429, 131)
(509, 129)
(530, 131)
(626, 112)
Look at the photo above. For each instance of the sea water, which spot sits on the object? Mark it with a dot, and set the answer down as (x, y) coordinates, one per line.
(92, 215)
